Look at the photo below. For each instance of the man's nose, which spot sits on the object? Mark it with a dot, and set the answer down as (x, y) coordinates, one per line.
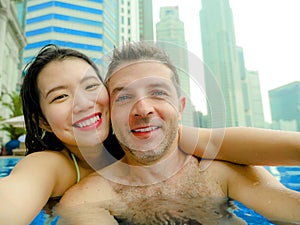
(143, 107)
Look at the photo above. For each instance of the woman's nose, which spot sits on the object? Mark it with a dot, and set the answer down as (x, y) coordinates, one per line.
(83, 102)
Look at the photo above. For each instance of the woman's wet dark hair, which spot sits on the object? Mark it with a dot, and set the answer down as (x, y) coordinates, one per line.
(35, 140)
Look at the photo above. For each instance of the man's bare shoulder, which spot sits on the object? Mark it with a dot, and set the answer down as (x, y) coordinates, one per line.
(93, 188)
(233, 168)
(87, 201)
(222, 170)
(211, 165)
(219, 164)
(92, 181)
(231, 173)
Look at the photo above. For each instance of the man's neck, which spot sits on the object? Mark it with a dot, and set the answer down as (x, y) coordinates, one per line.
(128, 173)
(161, 170)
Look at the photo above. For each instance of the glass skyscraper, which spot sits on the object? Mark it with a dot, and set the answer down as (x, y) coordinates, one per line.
(171, 37)
(285, 103)
(145, 20)
(221, 56)
(253, 106)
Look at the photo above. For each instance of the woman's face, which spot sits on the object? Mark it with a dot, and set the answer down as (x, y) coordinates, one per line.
(74, 102)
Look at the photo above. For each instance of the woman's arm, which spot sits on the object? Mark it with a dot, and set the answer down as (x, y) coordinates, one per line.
(242, 145)
(34, 179)
(257, 189)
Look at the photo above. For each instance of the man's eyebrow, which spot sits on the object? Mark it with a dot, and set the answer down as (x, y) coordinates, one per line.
(116, 90)
(160, 84)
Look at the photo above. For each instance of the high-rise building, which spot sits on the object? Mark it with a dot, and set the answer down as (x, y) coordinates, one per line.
(254, 113)
(146, 20)
(170, 33)
(12, 41)
(128, 21)
(171, 37)
(220, 56)
(285, 103)
(21, 7)
(90, 26)
(135, 20)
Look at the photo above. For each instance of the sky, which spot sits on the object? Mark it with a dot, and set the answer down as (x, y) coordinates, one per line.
(267, 30)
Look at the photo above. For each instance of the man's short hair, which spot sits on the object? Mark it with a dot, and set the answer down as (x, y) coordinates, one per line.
(139, 51)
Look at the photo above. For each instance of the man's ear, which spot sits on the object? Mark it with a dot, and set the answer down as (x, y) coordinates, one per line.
(182, 102)
(44, 125)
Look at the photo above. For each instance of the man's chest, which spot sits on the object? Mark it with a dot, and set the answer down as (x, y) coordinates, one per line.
(189, 197)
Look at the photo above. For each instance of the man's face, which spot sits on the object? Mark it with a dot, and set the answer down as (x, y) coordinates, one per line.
(145, 110)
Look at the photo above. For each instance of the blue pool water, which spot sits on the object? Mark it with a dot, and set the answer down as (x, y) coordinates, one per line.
(289, 176)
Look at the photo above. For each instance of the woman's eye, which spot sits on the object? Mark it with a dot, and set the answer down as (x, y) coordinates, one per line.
(92, 86)
(60, 97)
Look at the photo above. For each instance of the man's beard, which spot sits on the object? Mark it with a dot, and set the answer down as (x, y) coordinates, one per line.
(150, 153)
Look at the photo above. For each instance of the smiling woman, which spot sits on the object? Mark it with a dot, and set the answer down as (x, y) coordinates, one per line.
(64, 99)
(66, 111)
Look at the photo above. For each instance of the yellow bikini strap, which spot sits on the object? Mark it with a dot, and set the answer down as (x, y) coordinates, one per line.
(76, 167)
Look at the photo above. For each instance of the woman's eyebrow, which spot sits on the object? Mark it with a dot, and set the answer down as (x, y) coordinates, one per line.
(60, 87)
(89, 77)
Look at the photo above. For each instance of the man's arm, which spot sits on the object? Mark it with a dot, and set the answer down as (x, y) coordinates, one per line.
(242, 145)
(256, 188)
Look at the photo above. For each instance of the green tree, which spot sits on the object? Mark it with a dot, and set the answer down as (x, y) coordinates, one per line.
(14, 104)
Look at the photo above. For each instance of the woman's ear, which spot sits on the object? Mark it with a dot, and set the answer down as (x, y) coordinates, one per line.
(44, 125)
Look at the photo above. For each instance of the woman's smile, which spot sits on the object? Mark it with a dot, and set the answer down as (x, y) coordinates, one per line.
(90, 122)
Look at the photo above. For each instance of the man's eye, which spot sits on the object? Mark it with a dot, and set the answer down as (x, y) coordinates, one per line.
(122, 98)
(159, 93)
